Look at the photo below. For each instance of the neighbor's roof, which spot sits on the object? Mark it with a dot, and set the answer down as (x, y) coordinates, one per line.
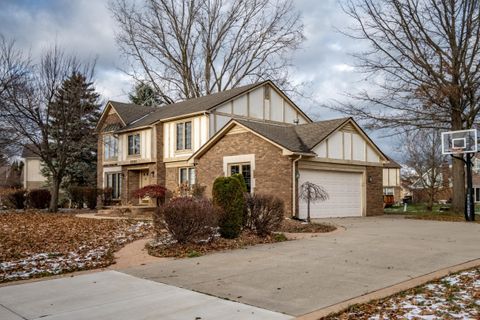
(186, 107)
(29, 151)
(296, 138)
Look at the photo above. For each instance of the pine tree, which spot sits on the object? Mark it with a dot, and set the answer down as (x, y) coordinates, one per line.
(74, 112)
(144, 95)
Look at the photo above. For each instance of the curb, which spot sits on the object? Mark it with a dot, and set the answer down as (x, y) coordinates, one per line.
(388, 291)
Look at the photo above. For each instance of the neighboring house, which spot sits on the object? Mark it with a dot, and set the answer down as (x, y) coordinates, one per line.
(255, 130)
(32, 169)
(443, 184)
(391, 180)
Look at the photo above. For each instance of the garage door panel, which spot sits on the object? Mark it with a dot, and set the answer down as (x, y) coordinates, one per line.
(344, 190)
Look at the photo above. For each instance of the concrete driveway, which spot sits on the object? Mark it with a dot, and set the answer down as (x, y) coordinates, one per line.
(301, 276)
(117, 296)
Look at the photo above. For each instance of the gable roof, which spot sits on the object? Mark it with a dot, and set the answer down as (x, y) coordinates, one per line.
(190, 106)
(391, 164)
(129, 112)
(29, 151)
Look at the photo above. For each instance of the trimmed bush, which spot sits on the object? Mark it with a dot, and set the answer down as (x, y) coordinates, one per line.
(188, 219)
(81, 196)
(265, 213)
(240, 179)
(15, 198)
(229, 196)
(39, 198)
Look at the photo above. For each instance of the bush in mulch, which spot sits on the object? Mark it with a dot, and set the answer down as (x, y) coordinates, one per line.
(263, 214)
(188, 219)
(165, 248)
(297, 226)
(36, 244)
(228, 194)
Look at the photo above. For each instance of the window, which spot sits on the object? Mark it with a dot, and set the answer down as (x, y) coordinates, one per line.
(477, 165)
(110, 147)
(477, 194)
(184, 135)
(187, 175)
(114, 181)
(245, 170)
(388, 191)
(134, 144)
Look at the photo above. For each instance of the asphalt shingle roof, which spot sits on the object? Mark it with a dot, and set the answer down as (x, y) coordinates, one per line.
(129, 112)
(190, 106)
(391, 163)
(28, 151)
(296, 138)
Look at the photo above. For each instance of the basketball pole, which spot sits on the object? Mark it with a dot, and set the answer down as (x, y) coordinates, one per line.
(469, 205)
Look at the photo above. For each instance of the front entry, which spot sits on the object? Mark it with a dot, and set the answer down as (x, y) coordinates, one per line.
(144, 181)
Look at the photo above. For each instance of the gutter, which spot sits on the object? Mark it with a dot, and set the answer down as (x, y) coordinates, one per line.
(294, 189)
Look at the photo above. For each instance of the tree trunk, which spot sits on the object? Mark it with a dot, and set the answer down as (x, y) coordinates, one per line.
(55, 190)
(458, 177)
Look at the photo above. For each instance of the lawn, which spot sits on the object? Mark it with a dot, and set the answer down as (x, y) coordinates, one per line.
(36, 244)
(453, 297)
(419, 211)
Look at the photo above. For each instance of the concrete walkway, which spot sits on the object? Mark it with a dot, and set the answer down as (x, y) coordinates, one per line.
(117, 296)
(298, 277)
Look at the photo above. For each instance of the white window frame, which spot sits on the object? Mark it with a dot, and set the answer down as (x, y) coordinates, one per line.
(137, 151)
(388, 191)
(184, 135)
(189, 171)
(240, 171)
(110, 147)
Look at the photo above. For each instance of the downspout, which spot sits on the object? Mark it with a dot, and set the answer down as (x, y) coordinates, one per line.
(294, 189)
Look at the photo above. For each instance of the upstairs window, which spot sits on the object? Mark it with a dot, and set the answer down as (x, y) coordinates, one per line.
(184, 135)
(110, 147)
(134, 144)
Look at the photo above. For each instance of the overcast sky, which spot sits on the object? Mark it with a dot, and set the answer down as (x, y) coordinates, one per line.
(86, 28)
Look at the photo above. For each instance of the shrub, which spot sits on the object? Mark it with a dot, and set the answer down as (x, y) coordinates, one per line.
(197, 190)
(76, 196)
(188, 219)
(90, 197)
(265, 213)
(154, 191)
(39, 198)
(240, 179)
(229, 196)
(15, 198)
(107, 196)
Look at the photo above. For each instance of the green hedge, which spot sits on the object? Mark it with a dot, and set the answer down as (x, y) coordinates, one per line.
(228, 194)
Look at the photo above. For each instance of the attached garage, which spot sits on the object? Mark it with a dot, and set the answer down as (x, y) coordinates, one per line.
(345, 190)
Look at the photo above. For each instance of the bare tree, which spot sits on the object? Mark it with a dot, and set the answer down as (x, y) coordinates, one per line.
(311, 192)
(424, 156)
(189, 48)
(29, 100)
(423, 56)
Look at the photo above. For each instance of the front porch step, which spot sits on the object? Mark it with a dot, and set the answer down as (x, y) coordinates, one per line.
(127, 211)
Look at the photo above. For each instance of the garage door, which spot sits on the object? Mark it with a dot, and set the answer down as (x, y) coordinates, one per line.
(344, 190)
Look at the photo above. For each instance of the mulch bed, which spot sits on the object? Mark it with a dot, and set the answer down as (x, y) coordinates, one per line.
(296, 226)
(34, 244)
(453, 297)
(177, 250)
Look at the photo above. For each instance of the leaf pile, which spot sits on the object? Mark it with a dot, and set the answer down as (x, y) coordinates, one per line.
(453, 297)
(35, 244)
(165, 247)
(295, 226)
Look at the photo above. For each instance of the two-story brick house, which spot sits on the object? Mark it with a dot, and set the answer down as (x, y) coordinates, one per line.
(256, 130)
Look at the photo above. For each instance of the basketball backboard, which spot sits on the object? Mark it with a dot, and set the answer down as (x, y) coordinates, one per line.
(458, 142)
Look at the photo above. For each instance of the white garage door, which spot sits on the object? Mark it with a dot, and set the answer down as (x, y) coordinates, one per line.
(344, 190)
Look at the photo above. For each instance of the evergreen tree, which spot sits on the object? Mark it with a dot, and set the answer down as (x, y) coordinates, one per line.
(74, 113)
(144, 95)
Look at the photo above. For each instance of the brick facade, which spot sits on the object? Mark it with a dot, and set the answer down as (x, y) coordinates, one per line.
(272, 174)
(374, 191)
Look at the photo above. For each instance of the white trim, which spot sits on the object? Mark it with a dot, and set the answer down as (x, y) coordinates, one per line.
(243, 158)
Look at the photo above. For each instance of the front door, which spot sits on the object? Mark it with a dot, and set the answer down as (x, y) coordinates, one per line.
(144, 181)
